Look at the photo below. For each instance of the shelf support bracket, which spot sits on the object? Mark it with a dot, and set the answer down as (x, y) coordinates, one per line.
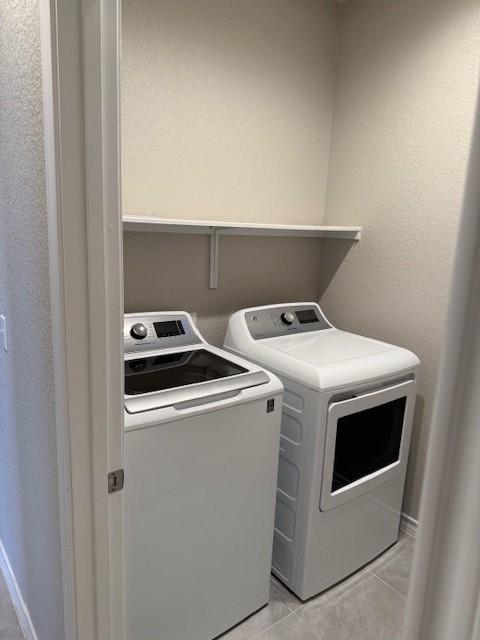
(214, 251)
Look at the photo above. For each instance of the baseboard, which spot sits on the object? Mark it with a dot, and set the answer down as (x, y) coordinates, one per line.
(409, 525)
(16, 595)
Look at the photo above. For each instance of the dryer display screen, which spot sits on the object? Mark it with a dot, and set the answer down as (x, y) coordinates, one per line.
(305, 316)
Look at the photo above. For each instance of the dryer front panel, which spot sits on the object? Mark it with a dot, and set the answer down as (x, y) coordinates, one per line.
(367, 442)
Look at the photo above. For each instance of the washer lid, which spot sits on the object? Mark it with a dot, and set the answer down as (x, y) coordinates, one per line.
(177, 369)
(165, 379)
(330, 358)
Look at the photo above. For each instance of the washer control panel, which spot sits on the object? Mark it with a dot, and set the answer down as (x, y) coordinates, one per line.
(148, 332)
(271, 322)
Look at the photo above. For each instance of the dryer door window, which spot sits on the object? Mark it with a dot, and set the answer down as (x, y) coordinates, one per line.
(367, 442)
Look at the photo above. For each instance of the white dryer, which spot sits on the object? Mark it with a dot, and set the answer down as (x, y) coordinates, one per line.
(346, 424)
(202, 431)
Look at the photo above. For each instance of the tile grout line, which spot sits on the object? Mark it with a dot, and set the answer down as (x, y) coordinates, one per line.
(387, 585)
(282, 588)
(259, 635)
(297, 608)
(306, 626)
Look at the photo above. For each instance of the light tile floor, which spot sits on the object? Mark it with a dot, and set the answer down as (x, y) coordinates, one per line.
(367, 606)
(9, 626)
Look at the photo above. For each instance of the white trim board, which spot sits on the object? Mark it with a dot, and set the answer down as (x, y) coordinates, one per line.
(409, 525)
(19, 604)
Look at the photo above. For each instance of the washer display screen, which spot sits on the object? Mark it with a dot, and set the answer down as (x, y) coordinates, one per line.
(168, 328)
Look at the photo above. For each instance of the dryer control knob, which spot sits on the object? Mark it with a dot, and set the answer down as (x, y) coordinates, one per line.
(287, 317)
(138, 331)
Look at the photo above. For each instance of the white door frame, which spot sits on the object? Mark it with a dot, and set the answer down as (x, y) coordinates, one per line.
(80, 40)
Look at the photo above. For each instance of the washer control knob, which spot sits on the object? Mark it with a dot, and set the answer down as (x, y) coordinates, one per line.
(287, 317)
(138, 331)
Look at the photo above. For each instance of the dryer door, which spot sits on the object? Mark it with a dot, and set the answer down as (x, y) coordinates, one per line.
(367, 442)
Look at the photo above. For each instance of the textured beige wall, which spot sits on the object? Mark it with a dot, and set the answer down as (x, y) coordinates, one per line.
(226, 114)
(406, 86)
(226, 108)
(166, 272)
(29, 501)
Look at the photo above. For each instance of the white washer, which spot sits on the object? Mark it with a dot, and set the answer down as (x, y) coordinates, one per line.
(346, 425)
(202, 430)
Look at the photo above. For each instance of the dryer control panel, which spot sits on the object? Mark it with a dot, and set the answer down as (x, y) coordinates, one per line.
(271, 322)
(147, 332)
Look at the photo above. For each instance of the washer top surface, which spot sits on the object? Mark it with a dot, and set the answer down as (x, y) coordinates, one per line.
(298, 342)
(168, 364)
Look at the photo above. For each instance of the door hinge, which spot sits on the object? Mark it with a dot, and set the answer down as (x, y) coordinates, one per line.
(116, 480)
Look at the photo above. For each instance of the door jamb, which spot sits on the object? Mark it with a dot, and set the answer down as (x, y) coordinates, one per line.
(80, 62)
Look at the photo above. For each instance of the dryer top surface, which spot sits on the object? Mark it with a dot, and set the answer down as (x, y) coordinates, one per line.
(323, 359)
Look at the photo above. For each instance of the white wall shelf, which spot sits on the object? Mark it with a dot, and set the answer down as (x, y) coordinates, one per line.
(215, 229)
